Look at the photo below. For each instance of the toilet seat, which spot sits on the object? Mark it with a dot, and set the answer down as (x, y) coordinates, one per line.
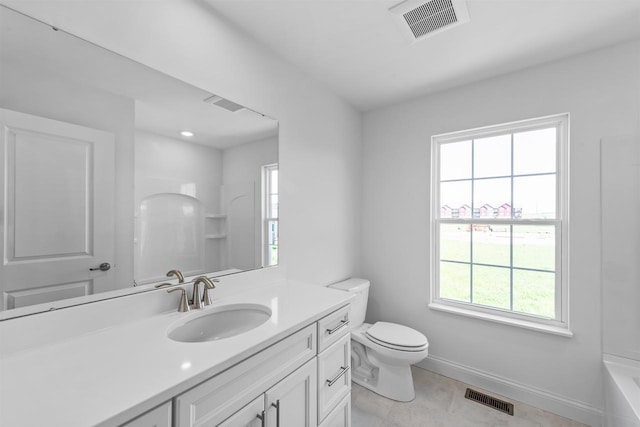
(397, 337)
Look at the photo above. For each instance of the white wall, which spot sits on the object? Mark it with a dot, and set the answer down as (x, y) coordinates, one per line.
(601, 92)
(320, 134)
(171, 165)
(242, 164)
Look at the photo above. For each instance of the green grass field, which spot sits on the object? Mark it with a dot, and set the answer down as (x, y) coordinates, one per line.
(533, 248)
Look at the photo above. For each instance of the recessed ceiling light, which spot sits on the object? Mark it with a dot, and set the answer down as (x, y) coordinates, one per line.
(186, 133)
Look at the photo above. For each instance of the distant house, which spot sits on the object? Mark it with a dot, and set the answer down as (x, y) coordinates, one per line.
(464, 211)
(504, 210)
(488, 211)
(446, 211)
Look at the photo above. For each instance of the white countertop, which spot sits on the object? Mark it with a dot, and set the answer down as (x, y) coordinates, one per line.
(106, 377)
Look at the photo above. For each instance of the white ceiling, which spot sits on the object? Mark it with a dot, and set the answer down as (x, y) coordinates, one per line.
(357, 49)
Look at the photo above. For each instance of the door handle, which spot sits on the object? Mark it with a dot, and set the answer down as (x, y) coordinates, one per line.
(105, 266)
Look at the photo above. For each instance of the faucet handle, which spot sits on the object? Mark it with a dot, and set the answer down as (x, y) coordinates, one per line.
(183, 305)
(206, 298)
(163, 285)
(210, 283)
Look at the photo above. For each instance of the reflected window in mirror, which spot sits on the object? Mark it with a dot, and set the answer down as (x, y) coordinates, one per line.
(270, 220)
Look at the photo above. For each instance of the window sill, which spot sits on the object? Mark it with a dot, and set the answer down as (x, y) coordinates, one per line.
(549, 329)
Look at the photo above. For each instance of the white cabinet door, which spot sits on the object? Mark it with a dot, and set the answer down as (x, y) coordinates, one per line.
(56, 198)
(293, 401)
(158, 417)
(249, 416)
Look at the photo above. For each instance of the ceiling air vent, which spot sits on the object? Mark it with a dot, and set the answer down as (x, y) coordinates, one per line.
(223, 103)
(421, 19)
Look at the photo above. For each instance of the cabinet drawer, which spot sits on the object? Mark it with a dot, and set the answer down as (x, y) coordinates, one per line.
(332, 327)
(216, 399)
(341, 414)
(334, 375)
(247, 416)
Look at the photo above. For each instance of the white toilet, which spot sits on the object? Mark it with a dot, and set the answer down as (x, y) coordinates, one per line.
(382, 353)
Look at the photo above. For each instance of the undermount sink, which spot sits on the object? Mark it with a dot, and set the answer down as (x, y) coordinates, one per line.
(221, 322)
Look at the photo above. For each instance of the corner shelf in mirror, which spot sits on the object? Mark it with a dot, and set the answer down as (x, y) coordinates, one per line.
(215, 236)
(218, 226)
(216, 216)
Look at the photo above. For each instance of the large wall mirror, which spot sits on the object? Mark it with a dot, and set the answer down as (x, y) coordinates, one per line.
(112, 174)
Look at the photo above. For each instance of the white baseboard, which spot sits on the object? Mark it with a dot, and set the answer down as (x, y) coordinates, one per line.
(550, 402)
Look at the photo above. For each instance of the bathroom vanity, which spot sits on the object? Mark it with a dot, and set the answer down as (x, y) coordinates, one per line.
(291, 370)
(105, 348)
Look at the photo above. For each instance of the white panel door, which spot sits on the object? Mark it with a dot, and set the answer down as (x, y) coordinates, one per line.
(293, 401)
(56, 200)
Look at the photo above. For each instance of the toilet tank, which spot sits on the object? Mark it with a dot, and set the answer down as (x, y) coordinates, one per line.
(360, 287)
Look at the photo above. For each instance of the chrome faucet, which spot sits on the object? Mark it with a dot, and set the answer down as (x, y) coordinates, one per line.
(195, 301)
(206, 298)
(183, 305)
(176, 273)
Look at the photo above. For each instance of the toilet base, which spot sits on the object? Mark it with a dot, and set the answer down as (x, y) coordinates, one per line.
(395, 385)
(388, 378)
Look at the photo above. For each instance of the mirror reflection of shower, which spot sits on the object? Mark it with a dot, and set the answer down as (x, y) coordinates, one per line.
(209, 216)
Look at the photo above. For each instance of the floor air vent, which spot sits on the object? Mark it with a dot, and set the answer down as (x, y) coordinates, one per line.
(489, 401)
(421, 19)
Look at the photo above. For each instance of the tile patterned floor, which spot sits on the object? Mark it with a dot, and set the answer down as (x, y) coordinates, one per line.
(440, 402)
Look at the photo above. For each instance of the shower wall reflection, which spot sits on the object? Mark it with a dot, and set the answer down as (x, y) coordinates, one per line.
(198, 207)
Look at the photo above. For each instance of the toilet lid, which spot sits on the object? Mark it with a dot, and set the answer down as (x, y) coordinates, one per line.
(396, 336)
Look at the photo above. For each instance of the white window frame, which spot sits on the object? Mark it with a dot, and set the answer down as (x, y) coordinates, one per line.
(266, 209)
(558, 325)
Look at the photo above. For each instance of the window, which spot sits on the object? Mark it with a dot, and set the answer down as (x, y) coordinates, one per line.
(270, 214)
(499, 223)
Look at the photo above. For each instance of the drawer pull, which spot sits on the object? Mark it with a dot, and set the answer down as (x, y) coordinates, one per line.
(343, 370)
(342, 324)
(277, 406)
